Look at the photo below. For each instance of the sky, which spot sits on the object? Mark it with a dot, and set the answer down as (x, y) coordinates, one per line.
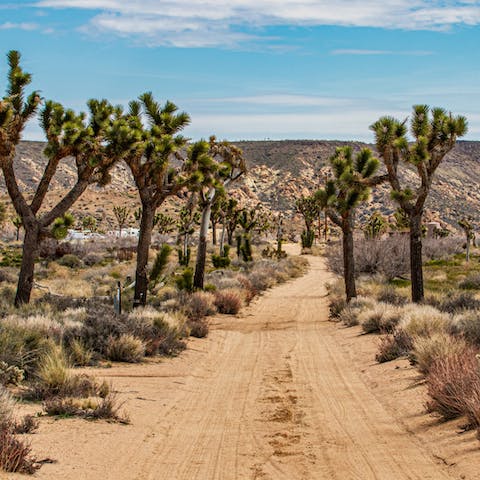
(254, 69)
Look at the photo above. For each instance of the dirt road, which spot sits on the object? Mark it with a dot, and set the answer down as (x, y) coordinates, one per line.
(269, 395)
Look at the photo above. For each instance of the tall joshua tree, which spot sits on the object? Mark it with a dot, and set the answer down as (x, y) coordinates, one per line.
(309, 208)
(68, 134)
(350, 186)
(155, 174)
(220, 164)
(434, 134)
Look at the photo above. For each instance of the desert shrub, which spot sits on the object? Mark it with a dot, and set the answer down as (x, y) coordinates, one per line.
(199, 328)
(390, 295)
(167, 293)
(426, 350)
(7, 404)
(125, 348)
(393, 346)
(15, 454)
(94, 409)
(70, 260)
(10, 374)
(228, 301)
(453, 302)
(185, 280)
(250, 290)
(382, 317)
(7, 276)
(78, 353)
(467, 324)
(27, 424)
(92, 259)
(472, 282)
(441, 248)
(349, 314)
(388, 257)
(423, 321)
(198, 304)
(451, 381)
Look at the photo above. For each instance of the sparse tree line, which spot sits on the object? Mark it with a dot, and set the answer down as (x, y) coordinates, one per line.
(147, 136)
(420, 144)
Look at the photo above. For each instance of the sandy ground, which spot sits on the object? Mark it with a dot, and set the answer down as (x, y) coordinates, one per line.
(277, 393)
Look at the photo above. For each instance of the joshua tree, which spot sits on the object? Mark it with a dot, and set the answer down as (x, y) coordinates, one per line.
(376, 225)
(310, 209)
(467, 227)
(164, 223)
(218, 165)
(152, 167)
(189, 218)
(434, 134)
(216, 213)
(350, 186)
(250, 219)
(3, 214)
(230, 215)
(122, 214)
(89, 223)
(68, 134)
(61, 225)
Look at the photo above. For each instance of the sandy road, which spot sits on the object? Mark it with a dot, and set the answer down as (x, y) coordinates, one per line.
(269, 396)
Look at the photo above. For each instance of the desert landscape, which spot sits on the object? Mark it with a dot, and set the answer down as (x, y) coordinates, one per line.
(280, 282)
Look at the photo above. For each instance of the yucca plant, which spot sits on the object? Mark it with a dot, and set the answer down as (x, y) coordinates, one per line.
(351, 185)
(434, 132)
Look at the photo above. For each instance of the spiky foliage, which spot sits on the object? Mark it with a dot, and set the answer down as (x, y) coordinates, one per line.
(353, 177)
(164, 223)
(309, 208)
(159, 266)
(122, 215)
(61, 225)
(375, 226)
(188, 220)
(434, 133)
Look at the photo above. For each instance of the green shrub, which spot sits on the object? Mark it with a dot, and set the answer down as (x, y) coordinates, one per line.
(70, 260)
(307, 238)
(185, 280)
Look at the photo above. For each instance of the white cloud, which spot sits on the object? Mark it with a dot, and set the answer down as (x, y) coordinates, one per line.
(285, 100)
(18, 26)
(188, 23)
(353, 51)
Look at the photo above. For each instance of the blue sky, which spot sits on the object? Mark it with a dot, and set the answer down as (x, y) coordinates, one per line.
(253, 69)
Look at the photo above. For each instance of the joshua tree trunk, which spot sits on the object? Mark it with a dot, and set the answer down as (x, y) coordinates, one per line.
(214, 233)
(144, 240)
(348, 258)
(416, 257)
(222, 238)
(29, 255)
(202, 246)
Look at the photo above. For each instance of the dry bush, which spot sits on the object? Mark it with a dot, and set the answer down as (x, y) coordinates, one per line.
(451, 382)
(78, 353)
(10, 374)
(27, 424)
(381, 317)
(472, 282)
(107, 408)
(441, 248)
(393, 346)
(388, 257)
(228, 301)
(427, 350)
(454, 302)
(467, 324)
(125, 348)
(198, 304)
(390, 295)
(199, 328)
(349, 315)
(423, 320)
(15, 454)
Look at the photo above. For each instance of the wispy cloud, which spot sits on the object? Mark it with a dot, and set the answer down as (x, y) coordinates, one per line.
(201, 23)
(353, 51)
(285, 100)
(18, 26)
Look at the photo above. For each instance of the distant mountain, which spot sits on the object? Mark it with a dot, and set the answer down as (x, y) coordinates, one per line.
(279, 172)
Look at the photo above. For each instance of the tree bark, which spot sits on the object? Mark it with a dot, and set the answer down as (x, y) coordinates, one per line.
(416, 269)
(143, 247)
(214, 233)
(348, 258)
(27, 269)
(222, 239)
(202, 247)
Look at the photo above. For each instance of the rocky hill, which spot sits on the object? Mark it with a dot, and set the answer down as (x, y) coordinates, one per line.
(279, 172)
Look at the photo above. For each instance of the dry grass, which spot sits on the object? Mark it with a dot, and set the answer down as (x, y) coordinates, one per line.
(381, 317)
(125, 348)
(427, 350)
(423, 321)
(228, 301)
